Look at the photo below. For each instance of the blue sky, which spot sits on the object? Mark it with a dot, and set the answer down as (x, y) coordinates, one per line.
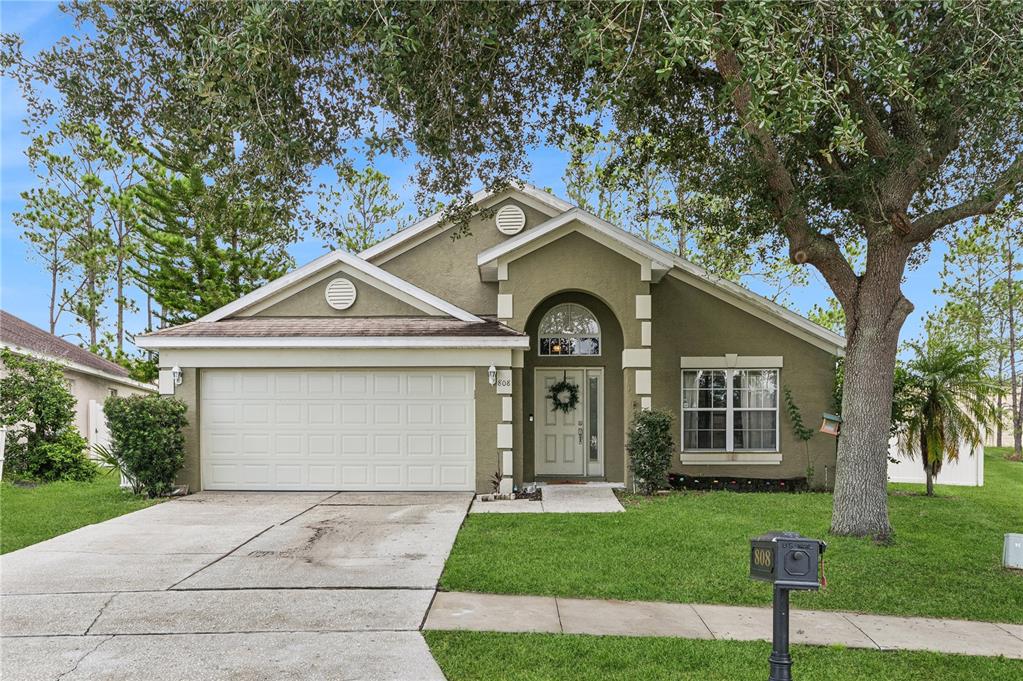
(24, 286)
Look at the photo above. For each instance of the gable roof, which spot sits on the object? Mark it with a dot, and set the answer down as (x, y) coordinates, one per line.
(524, 191)
(28, 339)
(425, 301)
(659, 262)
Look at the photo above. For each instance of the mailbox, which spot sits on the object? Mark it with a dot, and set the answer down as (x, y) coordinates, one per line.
(786, 559)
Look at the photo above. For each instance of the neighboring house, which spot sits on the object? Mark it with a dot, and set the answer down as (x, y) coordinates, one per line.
(423, 363)
(90, 377)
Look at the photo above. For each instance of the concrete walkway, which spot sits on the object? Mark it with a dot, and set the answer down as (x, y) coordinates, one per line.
(585, 498)
(491, 612)
(233, 585)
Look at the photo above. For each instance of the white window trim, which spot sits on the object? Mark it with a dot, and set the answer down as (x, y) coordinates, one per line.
(729, 413)
(569, 336)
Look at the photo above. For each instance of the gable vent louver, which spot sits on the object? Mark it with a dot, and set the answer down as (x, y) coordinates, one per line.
(340, 294)
(510, 220)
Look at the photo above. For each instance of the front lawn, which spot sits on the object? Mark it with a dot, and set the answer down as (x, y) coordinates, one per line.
(532, 657)
(29, 515)
(693, 547)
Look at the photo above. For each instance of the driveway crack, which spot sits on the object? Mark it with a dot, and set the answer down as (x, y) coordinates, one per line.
(99, 614)
(82, 658)
(220, 558)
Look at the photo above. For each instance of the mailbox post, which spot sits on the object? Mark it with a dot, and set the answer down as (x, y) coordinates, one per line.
(789, 561)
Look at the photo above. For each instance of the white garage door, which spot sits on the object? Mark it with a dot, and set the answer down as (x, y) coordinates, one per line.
(323, 429)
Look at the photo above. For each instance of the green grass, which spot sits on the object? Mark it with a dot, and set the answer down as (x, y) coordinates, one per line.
(531, 657)
(693, 547)
(29, 515)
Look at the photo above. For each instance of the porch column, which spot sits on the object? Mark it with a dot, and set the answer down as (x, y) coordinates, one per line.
(506, 432)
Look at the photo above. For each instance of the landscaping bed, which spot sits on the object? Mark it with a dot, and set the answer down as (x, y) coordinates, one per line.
(29, 515)
(694, 547)
(532, 657)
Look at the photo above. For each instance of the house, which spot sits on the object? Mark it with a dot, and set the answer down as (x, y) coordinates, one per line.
(426, 362)
(91, 378)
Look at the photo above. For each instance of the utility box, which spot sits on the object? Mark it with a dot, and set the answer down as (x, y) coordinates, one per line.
(1012, 556)
(786, 559)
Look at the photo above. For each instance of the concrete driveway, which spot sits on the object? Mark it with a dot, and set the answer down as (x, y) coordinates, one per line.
(233, 585)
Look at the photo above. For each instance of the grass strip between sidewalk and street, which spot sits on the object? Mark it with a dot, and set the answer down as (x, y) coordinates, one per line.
(465, 656)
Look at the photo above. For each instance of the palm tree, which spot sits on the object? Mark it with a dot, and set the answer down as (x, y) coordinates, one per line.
(949, 399)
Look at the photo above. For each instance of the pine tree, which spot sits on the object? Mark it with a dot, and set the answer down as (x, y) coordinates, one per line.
(204, 244)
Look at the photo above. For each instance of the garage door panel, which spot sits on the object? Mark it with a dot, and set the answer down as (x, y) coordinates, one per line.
(334, 429)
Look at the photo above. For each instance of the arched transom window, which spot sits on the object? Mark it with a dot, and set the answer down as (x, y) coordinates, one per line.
(569, 329)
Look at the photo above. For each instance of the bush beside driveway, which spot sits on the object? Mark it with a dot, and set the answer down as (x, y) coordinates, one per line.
(29, 515)
(693, 548)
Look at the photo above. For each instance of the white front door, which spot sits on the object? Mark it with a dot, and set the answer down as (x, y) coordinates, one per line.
(569, 443)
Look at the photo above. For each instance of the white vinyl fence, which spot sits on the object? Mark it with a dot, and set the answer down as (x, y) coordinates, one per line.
(967, 471)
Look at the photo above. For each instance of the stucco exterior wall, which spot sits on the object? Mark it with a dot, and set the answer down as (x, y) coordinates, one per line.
(86, 387)
(312, 302)
(689, 322)
(446, 266)
(188, 392)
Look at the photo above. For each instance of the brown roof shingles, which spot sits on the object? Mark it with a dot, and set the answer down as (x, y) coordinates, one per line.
(339, 327)
(17, 333)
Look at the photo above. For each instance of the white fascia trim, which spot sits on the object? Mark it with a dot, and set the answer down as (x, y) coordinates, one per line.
(544, 198)
(332, 342)
(429, 302)
(649, 254)
(662, 260)
(82, 369)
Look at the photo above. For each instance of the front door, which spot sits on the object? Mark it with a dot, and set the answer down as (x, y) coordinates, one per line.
(570, 443)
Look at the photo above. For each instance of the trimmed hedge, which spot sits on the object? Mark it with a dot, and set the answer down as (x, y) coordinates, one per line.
(650, 446)
(146, 435)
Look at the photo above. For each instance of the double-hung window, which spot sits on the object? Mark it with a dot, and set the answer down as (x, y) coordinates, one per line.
(730, 410)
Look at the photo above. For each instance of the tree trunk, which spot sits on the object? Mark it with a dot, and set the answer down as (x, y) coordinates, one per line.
(120, 305)
(930, 481)
(1017, 425)
(873, 321)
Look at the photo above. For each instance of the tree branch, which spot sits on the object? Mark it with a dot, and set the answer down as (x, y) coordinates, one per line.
(984, 203)
(806, 245)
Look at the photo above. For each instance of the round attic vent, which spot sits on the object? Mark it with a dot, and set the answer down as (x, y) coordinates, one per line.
(340, 294)
(510, 220)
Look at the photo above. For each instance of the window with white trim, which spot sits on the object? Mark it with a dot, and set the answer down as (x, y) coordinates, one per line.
(569, 329)
(731, 410)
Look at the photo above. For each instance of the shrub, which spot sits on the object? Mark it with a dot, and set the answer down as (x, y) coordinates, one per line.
(146, 435)
(62, 459)
(650, 446)
(39, 411)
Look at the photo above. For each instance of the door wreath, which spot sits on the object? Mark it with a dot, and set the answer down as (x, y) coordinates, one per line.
(564, 395)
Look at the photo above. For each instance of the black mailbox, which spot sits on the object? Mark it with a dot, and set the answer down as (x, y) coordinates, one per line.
(786, 559)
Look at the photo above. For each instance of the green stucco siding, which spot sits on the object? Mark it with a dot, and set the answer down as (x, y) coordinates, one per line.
(188, 392)
(445, 265)
(689, 322)
(311, 301)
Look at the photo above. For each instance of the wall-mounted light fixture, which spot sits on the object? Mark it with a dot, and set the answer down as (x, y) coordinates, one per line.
(492, 374)
(177, 375)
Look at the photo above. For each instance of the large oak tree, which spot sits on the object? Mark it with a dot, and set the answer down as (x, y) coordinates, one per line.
(823, 123)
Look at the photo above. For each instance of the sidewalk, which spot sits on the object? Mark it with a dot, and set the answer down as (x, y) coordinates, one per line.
(492, 612)
(587, 498)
